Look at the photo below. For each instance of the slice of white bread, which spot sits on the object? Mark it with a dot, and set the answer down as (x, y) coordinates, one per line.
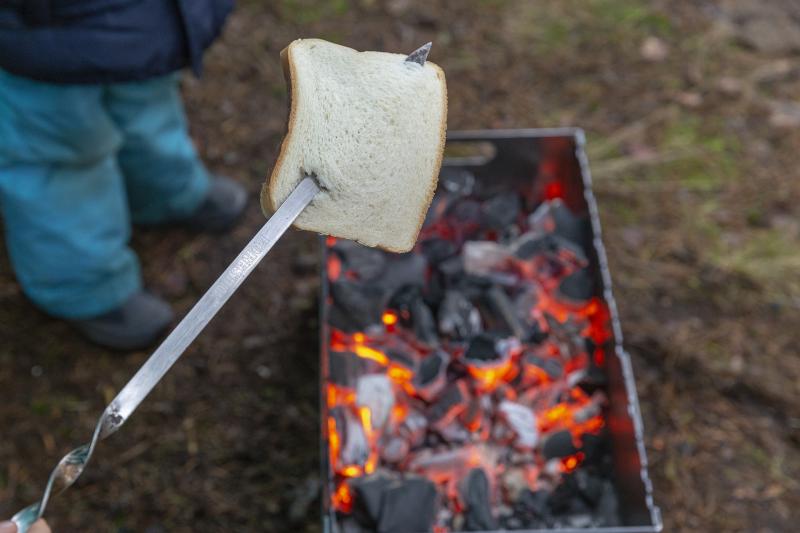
(371, 128)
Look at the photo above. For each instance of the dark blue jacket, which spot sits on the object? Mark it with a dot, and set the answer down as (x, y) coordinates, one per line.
(106, 41)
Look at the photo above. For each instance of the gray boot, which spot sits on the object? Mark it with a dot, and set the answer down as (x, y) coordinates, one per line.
(221, 209)
(134, 325)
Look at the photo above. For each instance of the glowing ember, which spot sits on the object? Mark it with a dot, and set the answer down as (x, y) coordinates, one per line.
(474, 378)
(389, 318)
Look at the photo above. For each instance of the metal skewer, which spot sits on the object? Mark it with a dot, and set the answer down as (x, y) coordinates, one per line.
(72, 465)
(420, 55)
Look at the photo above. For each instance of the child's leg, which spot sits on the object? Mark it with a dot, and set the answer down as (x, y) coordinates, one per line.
(62, 198)
(164, 177)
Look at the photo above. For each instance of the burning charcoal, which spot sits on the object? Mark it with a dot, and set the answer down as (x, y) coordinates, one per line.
(344, 368)
(536, 333)
(545, 368)
(355, 447)
(457, 181)
(355, 306)
(458, 522)
(437, 250)
(501, 210)
(542, 220)
(475, 494)
(503, 307)
(594, 446)
(607, 509)
(444, 519)
(374, 391)
(565, 500)
(395, 450)
(446, 465)
(590, 410)
(572, 227)
(458, 318)
(450, 404)
(589, 486)
(403, 270)
(484, 258)
(368, 494)
(514, 482)
(580, 521)
(431, 377)
(466, 211)
(439, 205)
(482, 347)
(526, 308)
(405, 359)
(566, 338)
(550, 256)
(414, 428)
(453, 433)
(576, 288)
(488, 359)
(466, 369)
(558, 445)
(555, 217)
(367, 263)
(414, 313)
(523, 422)
(452, 267)
(531, 245)
(503, 511)
(349, 525)
(393, 504)
(472, 417)
(534, 504)
(424, 323)
(408, 504)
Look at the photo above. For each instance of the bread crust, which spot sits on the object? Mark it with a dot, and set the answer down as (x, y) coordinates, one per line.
(268, 203)
(268, 200)
(438, 166)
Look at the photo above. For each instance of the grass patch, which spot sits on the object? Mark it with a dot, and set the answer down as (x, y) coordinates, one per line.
(569, 26)
(711, 154)
(769, 256)
(628, 16)
(310, 11)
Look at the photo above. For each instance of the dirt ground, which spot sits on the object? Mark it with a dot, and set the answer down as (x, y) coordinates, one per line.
(693, 124)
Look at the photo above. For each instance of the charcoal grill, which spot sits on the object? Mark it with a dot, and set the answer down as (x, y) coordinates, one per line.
(548, 162)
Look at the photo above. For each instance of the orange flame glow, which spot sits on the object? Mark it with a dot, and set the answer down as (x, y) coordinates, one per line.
(370, 353)
(389, 318)
(342, 498)
(489, 378)
(334, 267)
(562, 416)
(570, 463)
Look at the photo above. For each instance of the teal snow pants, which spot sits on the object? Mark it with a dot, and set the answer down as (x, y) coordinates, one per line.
(78, 164)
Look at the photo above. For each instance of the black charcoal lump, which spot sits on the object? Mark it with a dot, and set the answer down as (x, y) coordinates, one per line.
(458, 318)
(501, 210)
(559, 445)
(477, 501)
(430, 379)
(355, 306)
(367, 263)
(391, 503)
(577, 287)
(483, 348)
